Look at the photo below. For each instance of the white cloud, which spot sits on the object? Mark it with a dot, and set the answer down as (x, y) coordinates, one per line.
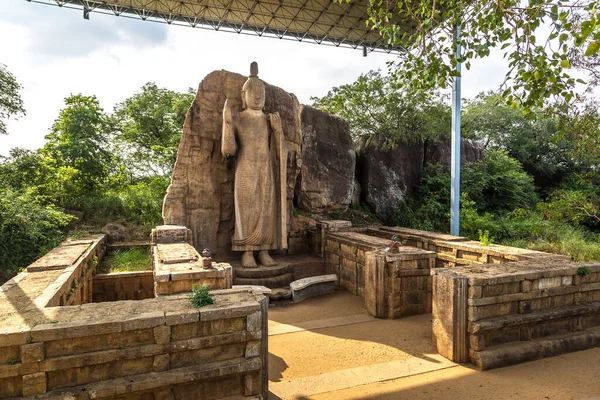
(55, 52)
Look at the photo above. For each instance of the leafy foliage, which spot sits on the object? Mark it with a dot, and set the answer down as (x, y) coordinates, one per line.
(498, 183)
(376, 108)
(11, 104)
(537, 143)
(201, 296)
(147, 127)
(536, 37)
(28, 228)
(77, 140)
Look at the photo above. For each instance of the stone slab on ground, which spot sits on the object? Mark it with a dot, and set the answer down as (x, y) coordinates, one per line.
(313, 286)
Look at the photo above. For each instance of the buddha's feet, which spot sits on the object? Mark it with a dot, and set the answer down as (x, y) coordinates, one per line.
(248, 260)
(265, 259)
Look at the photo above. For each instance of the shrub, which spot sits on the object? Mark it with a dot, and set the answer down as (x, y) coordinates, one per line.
(498, 183)
(28, 228)
(201, 296)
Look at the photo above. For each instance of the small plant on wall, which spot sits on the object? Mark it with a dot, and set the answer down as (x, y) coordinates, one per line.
(484, 238)
(201, 296)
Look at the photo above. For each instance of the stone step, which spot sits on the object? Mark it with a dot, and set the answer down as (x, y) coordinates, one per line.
(279, 294)
(313, 286)
(519, 352)
(262, 271)
(272, 282)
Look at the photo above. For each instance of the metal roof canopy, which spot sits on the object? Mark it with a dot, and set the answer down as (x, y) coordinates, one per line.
(319, 21)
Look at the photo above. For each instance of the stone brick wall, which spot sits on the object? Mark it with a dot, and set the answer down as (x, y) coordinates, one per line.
(393, 285)
(56, 343)
(154, 348)
(398, 285)
(138, 285)
(516, 312)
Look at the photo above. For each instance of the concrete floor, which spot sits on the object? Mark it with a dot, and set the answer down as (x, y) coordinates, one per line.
(330, 348)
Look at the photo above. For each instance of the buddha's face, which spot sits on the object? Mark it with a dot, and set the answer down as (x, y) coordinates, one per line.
(255, 97)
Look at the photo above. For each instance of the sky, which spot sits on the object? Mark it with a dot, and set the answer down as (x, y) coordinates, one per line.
(54, 52)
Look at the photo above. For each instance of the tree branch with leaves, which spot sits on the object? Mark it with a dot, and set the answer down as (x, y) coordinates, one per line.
(536, 37)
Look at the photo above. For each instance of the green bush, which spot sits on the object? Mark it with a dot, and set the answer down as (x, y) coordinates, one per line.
(429, 209)
(498, 183)
(201, 296)
(139, 203)
(28, 228)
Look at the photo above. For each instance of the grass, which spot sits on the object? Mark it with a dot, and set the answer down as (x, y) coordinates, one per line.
(133, 259)
(567, 240)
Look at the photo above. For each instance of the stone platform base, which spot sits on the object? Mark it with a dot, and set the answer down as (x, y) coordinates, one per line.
(271, 277)
(279, 277)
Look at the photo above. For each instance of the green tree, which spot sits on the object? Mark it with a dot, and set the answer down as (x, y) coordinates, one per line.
(537, 143)
(28, 170)
(78, 141)
(148, 127)
(376, 108)
(498, 183)
(536, 37)
(11, 104)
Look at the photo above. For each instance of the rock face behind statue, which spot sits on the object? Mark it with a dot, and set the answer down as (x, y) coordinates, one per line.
(326, 181)
(201, 194)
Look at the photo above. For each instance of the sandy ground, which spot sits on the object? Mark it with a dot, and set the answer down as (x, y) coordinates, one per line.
(338, 304)
(570, 376)
(396, 359)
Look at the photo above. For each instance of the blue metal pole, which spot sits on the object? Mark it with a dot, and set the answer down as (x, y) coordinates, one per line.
(455, 157)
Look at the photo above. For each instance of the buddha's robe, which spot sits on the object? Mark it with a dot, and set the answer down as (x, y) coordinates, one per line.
(248, 136)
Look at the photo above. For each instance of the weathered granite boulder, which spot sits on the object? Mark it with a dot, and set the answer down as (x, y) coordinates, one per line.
(201, 192)
(388, 177)
(326, 179)
(115, 232)
(440, 151)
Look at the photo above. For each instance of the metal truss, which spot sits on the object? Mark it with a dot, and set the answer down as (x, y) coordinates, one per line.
(315, 21)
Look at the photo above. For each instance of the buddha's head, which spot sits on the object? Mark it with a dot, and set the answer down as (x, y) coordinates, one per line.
(253, 91)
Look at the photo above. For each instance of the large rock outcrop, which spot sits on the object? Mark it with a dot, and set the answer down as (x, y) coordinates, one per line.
(440, 151)
(388, 177)
(326, 179)
(200, 196)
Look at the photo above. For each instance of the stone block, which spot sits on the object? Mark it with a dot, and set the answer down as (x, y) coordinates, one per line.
(477, 342)
(253, 348)
(251, 384)
(546, 283)
(32, 352)
(475, 292)
(185, 317)
(162, 334)
(161, 363)
(144, 321)
(254, 322)
(450, 328)
(34, 384)
(524, 307)
(239, 310)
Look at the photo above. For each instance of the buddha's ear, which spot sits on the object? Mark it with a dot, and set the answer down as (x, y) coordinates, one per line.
(243, 99)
